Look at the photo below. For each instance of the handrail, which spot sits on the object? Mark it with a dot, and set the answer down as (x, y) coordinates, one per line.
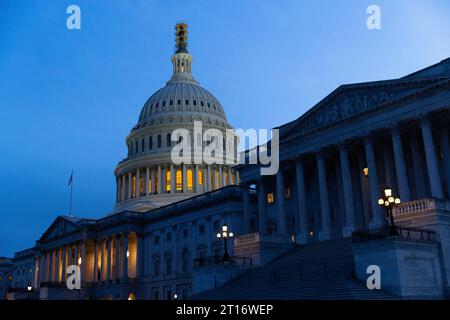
(403, 233)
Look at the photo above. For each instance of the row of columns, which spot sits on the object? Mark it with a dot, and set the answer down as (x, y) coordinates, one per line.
(53, 263)
(378, 218)
(212, 178)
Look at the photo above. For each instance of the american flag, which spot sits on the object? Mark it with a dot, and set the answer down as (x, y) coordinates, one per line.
(70, 178)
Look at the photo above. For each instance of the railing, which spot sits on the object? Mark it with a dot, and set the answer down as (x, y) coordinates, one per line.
(218, 260)
(417, 206)
(256, 237)
(399, 232)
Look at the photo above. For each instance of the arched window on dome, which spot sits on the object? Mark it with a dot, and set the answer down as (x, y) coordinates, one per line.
(136, 149)
(159, 141)
(194, 102)
(209, 106)
(179, 180)
(169, 142)
(150, 143)
(190, 180)
(171, 102)
(143, 144)
(164, 103)
(168, 180)
(186, 102)
(202, 104)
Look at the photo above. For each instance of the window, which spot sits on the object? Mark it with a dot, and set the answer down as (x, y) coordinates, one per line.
(209, 106)
(186, 258)
(143, 145)
(195, 102)
(169, 237)
(270, 198)
(169, 265)
(150, 143)
(156, 265)
(164, 103)
(168, 140)
(217, 179)
(141, 186)
(133, 186)
(186, 102)
(287, 193)
(136, 149)
(159, 141)
(202, 104)
(156, 240)
(190, 180)
(171, 102)
(179, 180)
(168, 180)
(179, 102)
(149, 186)
(185, 233)
(201, 229)
(216, 226)
(200, 177)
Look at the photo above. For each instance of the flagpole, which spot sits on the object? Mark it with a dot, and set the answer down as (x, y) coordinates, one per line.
(71, 191)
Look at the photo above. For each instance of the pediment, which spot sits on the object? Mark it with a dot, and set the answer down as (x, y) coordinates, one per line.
(58, 228)
(350, 101)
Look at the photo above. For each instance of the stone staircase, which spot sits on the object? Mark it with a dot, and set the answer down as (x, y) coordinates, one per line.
(322, 270)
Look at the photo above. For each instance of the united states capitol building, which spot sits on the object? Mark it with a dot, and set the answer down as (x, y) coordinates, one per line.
(308, 232)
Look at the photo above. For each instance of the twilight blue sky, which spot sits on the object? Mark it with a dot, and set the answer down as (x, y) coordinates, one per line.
(69, 98)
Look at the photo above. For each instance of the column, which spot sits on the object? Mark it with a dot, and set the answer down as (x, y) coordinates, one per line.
(325, 233)
(102, 259)
(41, 269)
(63, 264)
(108, 258)
(246, 209)
(83, 261)
(125, 258)
(208, 178)
(122, 198)
(139, 256)
(262, 215)
(130, 189)
(400, 166)
(446, 152)
(184, 179)
(419, 179)
(282, 223)
(117, 271)
(147, 178)
(50, 272)
(197, 185)
(117, 189)
(432, 164)
(95, 266)
(222, 184)
(57, 257)
(172, 179)
(301, 225)
(138, 194)
(378, 218)
(159, 180)
(348, 192)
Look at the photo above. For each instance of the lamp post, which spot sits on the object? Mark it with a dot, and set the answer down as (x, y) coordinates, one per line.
(225, 234)
(388, 201)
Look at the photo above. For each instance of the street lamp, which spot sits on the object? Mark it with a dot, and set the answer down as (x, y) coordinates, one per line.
(388, 201)
(225, 235)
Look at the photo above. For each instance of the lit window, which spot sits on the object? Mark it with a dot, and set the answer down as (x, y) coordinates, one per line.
(168, 180)
(200, 177)
(141, 186)
(179, 180)
(270, 197)
(133, 186)
(190, 183)
(233, 178)
(366, 171)
(226, 178)
(156, 183)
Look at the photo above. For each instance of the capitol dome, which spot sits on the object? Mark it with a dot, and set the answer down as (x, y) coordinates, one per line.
(147, 178)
